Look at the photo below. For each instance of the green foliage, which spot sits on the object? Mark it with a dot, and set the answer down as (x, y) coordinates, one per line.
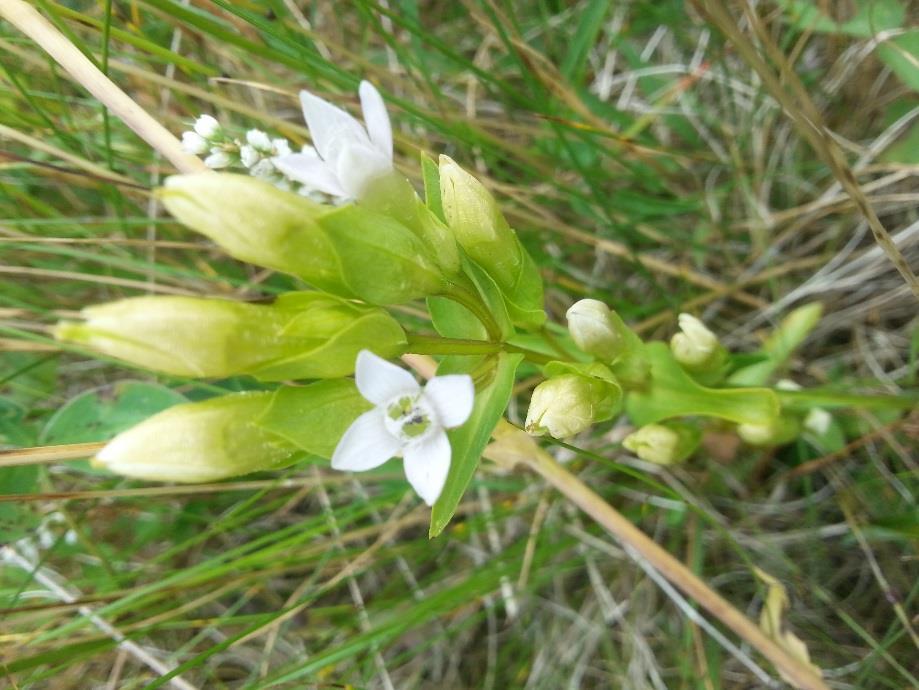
(673, 393)
(469, 440)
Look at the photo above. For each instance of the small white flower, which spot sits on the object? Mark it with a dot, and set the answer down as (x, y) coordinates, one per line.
(264, 170)
(348, 154)
(248, 155)
(207, 126)
(818, 421)
(258, 140)
(194, 143)
(408, 420)
(218, 159)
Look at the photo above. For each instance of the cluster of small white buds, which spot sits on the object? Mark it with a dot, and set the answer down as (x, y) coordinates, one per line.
(209, 139)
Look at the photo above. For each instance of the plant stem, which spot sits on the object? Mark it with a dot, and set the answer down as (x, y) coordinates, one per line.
(435, 345)
(467, 298)
(676, 572)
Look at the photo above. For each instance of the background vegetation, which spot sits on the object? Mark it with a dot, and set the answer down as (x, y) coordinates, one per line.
(644, 163)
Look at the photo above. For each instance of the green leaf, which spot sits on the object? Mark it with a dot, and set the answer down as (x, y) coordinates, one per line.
(469, 440)
(453, 320)
(673, 393)
(97, 415)
(314, 417)
(780, 345)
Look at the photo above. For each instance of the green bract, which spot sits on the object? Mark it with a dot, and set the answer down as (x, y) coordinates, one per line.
(301, 335)
(350, 251)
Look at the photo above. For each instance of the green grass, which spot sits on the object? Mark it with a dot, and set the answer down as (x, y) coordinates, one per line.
(642, 163)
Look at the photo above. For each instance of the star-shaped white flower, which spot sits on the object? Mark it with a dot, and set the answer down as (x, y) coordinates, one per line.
(407, 420)
(346, 155)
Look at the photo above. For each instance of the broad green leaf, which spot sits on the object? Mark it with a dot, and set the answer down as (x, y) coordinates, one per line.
(780, 345)
(314, 417)
(97, 415)
(453, 320)
(673, 393)
(469, 440)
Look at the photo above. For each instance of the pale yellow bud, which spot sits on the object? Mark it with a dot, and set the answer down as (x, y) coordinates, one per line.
(663, 444)
(593, 330)
(565, 405)
(199, 442)
(779, 432)
(695, 347)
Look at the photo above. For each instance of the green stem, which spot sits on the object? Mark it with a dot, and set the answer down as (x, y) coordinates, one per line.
(435, 345)
(824, 398)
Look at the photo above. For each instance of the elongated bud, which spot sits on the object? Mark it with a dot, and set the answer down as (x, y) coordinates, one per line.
(481, 229)
(566, 405)
(782, 430)
(696, 347)
(348, 251)
(301, 335)
(592, 329)
(199, 442)
(666, 443)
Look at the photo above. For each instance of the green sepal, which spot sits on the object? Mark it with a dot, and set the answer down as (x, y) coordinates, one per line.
(382, 261)
(469, 440)
(431, 176)
(314, 417)
(671, 392)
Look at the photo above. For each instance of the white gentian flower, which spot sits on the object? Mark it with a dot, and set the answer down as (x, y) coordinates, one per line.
(408, 420)
(348, 155)
(207, 126)
(194, 143)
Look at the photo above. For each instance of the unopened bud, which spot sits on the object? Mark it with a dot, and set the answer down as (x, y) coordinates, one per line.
(199, 442)
(194, 143)
(696, 347)
(299, 336)
(207, 126)
(782, 430)
(566, 405)
(349, 251)
(665, 443)
(592, 329)
(481, 229)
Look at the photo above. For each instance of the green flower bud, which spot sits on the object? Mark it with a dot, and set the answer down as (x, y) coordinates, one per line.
(566, 405)
(481, 229)
(301, 335)
(784, 429)
(350, 251)
(696, 347)
(664, 444)
(199, 442)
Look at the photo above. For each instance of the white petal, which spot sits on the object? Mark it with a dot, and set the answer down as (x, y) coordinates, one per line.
(427, 464)
(380, 381)
(452, 397)
(310, 171)
(329, 125)
(366, 444)
(376, 118)
(357, 165)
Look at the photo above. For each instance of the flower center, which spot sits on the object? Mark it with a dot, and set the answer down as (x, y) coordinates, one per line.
(408, 417)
